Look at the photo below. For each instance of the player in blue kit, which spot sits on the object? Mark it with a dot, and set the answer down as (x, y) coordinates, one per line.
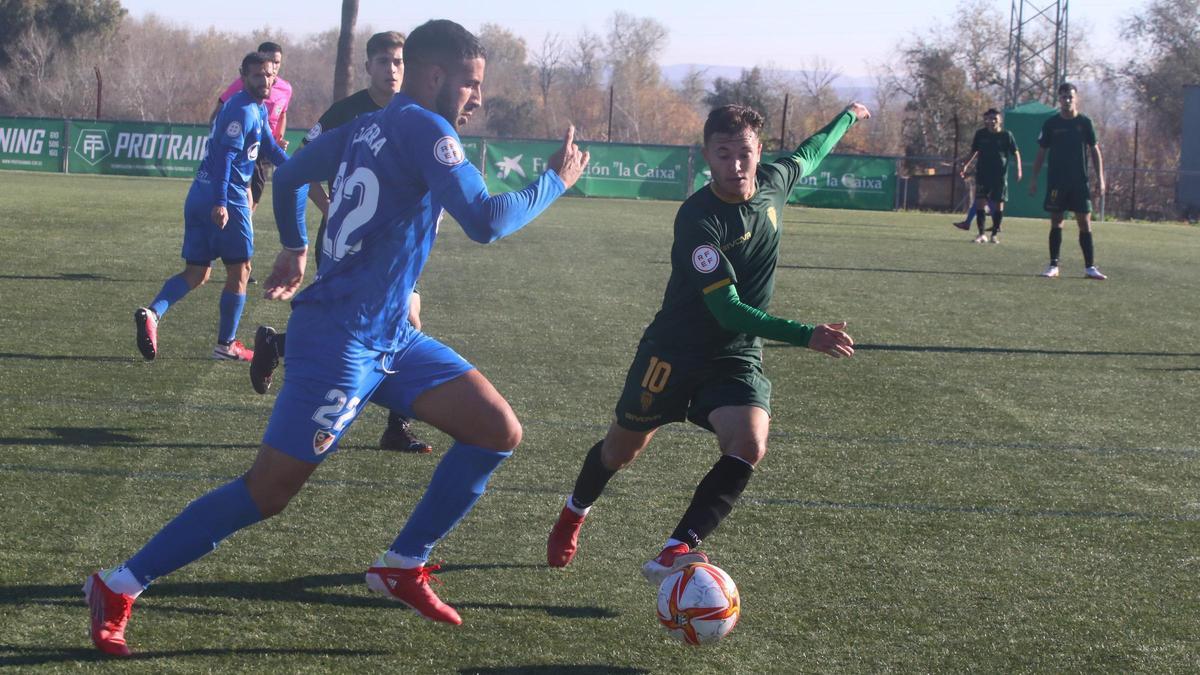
(216, 215)
(349, 337)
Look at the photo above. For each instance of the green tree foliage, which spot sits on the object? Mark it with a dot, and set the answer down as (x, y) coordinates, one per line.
(1164, 39)
(750, 90)
(63, 20)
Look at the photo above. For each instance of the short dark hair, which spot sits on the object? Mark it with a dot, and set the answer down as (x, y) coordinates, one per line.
(252, 59)
(383, 41)
(270, 48)
(442, 42)
(732, 119)
(991, 111)
(1067, 87)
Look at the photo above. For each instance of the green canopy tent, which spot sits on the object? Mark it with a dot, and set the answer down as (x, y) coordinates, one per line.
(1025, 123)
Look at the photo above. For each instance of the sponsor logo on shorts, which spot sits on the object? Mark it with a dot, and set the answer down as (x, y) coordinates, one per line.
(322, 441)
(234, 129)
(448, 151)
(641, 418)
(313, 132)
(705, 258)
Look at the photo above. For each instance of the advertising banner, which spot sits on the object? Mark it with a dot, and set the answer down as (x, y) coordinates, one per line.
(137, 148)
(840, 182)
(31, 144)
(627, 171)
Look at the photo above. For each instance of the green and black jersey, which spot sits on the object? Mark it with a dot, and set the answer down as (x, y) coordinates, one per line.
(341, 112)
(718, 243)
(994, 149)
(1067, 142)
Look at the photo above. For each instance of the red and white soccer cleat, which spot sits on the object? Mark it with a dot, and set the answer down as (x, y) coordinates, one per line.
(110, 613)
(146, 322)
(234, 351)
(671, 559)
(411, 586)
(564, 538)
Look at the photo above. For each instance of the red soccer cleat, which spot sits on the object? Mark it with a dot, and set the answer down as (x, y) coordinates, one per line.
(234, 351)
(672, 558)
(564, 538)
(110, 613)
(146, 322)
(411, 586)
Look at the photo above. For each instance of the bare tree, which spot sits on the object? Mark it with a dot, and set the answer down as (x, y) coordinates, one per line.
(547, 61)
(345, 50)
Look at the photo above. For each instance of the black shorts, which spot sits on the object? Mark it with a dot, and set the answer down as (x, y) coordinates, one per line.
(258, 180)
(1077, 199)
(991, 189)
(662, 388)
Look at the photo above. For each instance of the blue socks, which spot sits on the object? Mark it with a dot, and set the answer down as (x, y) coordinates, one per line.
(458, 482)
(195, 531)
(231, 313)
(172, 292)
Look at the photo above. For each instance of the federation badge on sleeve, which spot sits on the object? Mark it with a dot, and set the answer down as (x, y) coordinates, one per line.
(705, 258)
(313, 133)
(448, 151)
(234, 129)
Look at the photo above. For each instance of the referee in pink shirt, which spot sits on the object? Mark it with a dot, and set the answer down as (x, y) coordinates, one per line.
(277, 107)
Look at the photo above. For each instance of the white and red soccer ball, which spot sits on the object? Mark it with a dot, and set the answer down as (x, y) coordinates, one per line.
(698, 604)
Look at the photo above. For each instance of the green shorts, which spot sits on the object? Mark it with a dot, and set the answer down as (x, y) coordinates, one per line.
(1077, 199)
(991, 189)
(662, 387)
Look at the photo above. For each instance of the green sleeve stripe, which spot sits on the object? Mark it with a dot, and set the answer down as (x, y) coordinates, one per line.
(810, 153)
(738, 317)
(712, 287)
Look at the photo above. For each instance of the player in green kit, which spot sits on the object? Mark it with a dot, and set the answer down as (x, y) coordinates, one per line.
(992, 147)
(1069, 138)
(701, 358)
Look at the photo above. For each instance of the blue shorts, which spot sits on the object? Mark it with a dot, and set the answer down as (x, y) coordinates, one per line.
(331, 376)
(204, 242)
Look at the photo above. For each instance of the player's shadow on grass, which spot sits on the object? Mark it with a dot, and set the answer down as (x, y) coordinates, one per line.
(101, 437)
(939, 349)
(312, 589)
(11, 655)
(63, 276)
(581, 669)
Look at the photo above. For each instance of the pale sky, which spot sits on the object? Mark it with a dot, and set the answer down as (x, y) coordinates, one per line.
(849, 35)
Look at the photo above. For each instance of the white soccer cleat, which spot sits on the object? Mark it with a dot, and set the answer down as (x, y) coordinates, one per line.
(1051, 271)
(1094, 273)
(981, 239)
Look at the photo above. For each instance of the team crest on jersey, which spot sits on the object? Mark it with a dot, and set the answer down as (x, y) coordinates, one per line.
(448, 151)
(647, 401)
(322, 441)
(773, 217)
(234, 129)
(252, 153)
(313, 133)
(705, 258)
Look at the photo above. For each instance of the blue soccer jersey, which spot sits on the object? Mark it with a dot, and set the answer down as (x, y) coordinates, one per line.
(240, 133)
(396, 170)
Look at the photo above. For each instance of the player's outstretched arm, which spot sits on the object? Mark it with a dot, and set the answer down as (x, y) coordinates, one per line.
(814, 149)
(486, 218)
(738, 317)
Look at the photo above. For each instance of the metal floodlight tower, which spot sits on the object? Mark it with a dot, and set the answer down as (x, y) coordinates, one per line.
(1037, 51)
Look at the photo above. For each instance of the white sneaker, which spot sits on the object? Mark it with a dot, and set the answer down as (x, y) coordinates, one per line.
(981, 239)
(1094, 273)
(1051, 271)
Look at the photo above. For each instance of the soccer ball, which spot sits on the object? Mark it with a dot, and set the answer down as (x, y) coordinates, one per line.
(698, 604)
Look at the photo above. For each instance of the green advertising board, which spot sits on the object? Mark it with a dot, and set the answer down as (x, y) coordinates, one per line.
(31, 144)
(137, 148)
(1025, 122)
(625, 171)
(840, 182)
